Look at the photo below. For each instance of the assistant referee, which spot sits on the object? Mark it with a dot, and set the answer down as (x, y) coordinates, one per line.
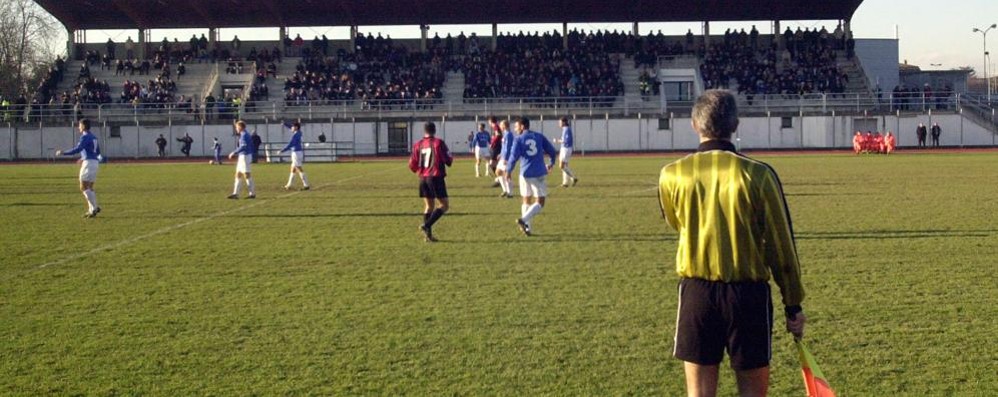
(734, 234)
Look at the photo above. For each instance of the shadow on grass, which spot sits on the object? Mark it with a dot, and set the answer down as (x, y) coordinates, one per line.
(555, 237)
(21, 204)
(895, 234)
(358, 215)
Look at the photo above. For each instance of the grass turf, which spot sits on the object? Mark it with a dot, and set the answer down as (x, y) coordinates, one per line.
(333, 291)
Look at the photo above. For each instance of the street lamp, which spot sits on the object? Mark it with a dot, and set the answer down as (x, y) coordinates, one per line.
(985, 34)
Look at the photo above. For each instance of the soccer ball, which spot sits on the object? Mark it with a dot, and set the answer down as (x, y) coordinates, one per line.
(211, 162)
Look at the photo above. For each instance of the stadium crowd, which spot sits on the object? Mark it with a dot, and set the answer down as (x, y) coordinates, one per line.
(378, 74)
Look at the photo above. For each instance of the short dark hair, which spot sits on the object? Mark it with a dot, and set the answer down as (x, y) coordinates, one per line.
(564, 120)
(85, 123)
(296, 125)
(430, 128)
(481, 125)
(524, 121)
(715, 114)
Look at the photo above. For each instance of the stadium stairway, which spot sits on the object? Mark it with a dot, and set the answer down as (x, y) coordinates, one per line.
(453, 88)
(275, 85)
(857, 78)
(630, 76)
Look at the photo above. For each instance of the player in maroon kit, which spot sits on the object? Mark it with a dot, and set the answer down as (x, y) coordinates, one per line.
(429, 158)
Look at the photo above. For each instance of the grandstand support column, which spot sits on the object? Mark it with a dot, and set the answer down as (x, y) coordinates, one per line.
(564, 35)
(353, 38)
(706, 34)
(212, 38)
(282, 32)
(634, 29)
(70, 41)
(495, 36)
(142, 43)
(424, 30)
(777, 36)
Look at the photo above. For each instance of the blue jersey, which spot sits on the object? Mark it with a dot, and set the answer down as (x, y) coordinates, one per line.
(567, 138)
(87, 147)
(294, 144)
(217, 148)
(482, 139)
(245, 144)
(531, 147)
(507, 145)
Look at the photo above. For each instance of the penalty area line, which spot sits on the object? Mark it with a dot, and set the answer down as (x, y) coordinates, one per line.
(168, 229)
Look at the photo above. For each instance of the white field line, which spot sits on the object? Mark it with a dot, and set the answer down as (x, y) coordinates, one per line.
(168, 229)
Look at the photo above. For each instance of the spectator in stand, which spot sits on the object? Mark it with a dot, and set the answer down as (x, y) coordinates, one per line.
(209, 105)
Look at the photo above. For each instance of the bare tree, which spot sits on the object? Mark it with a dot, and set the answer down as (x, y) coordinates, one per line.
(29, 39)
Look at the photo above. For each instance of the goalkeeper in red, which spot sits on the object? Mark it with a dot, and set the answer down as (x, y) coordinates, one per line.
(429, 160)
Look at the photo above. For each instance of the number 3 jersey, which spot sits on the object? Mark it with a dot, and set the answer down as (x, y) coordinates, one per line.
(530, 147)
(429, 158)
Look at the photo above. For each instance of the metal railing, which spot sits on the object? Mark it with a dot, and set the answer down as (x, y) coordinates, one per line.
(811, 104)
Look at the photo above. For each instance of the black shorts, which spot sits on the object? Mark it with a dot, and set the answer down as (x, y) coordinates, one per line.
(716, 316)
(434, 188)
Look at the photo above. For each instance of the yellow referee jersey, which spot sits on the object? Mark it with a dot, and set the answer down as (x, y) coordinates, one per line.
(732, 219)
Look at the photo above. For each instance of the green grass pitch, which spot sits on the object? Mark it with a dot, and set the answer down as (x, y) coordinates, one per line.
(174, 290)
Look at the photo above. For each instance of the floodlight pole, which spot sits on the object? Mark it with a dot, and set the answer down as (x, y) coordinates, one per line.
(984, 33)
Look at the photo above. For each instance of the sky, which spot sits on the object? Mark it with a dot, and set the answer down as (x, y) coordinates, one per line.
(933, 34)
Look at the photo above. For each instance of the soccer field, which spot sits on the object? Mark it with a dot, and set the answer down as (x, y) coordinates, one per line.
(174, 290)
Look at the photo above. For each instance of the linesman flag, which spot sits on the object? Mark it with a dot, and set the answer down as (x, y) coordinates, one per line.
(814, 379)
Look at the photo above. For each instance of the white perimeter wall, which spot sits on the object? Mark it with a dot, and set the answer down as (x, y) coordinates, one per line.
(599, 135)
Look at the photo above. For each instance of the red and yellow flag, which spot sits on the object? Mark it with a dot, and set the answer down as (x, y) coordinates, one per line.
(814, 379)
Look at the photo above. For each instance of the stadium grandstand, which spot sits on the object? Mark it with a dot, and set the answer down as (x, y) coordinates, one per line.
(807, 88)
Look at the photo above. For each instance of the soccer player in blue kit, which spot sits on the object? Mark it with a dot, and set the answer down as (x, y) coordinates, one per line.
(480, 141)
(245, 152)
(567, 142)
(89, 161)
(502, 169)
(297, 157)
(531, 147)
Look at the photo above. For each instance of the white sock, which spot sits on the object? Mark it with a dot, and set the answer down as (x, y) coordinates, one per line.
(304, 180)
(291, 179)
(523, 210)
(251, 186)
(502, 184)
(564, 177)
(478, 172)
(532, 212)
(568, 172)
(235, 189)
(90, 203)
(92, 198)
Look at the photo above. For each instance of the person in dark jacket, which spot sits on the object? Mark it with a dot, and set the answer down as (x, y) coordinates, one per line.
(256, 146)
(921, 133)
(936, 132)
(161, 145)
(186, 140)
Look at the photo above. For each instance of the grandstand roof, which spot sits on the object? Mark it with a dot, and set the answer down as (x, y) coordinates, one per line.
(162, 14)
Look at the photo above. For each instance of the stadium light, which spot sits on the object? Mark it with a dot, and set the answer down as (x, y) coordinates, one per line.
(987, 81)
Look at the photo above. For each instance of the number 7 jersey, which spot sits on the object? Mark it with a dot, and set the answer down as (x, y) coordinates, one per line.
(429, 158)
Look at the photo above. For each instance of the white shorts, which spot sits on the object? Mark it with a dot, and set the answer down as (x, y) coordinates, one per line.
(501, 166)
(297, 158)
(533, 187)
(482, 153)
(243, 164)
(565, 154)
(88, 171)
